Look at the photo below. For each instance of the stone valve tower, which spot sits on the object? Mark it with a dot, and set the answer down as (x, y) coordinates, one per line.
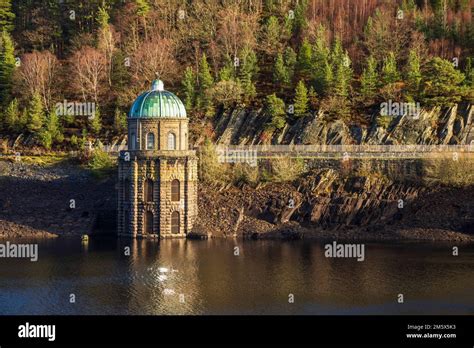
(157, 190)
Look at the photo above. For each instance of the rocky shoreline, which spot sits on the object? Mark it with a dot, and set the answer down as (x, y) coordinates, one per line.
(323, 204)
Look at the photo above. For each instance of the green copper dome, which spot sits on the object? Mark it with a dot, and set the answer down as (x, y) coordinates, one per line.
(157, 103)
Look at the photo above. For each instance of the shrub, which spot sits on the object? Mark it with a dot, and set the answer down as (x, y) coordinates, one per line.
(100, 163)
(286, 169)
(450, 172)
(210, 170)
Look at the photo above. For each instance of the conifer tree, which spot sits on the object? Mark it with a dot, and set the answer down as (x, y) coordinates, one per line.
(248, 70)
(205, 83)
(103, 17)
(120, 121)
(469, 73)
(300, 16)
(305, 59)
(413, 77)
(51, 132)
(53, 127)
(280, 73)
(342, 71)
(290, 59)
(321, 74)
(369, 81)
(6, 15)
(390, 72)
(227, 72)
(35, 114)
(11, 117)
(441, 83)
(142, 7)
(271, 35)
(189, 89)
(7, 67)
(45, 138)
(95, 122)
(276, 110)
(301, 99)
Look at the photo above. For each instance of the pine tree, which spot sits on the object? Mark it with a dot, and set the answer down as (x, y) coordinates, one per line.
(227, 72)
(342, 71)
(290, 60)
(189, 90)
(280, 73)
(7, 67)
(369, 81)
(11, 117)
(271, 34)
(322, 76)
(441, 83)
(413, 77)
(305, 59)
(390, 72)
(51, 132)
(301, 99)
(142, 7)
(6, 15)
(300, 17)
(45, 138)
(120, 121)
(248, 70)
(469, 73)
(95, 123)
(276, 110)
(205, 83)
(103, 17)
(53, 127)
(35, 114)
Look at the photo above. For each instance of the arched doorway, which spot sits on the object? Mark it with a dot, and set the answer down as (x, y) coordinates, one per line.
(148, 222)
(175, 222)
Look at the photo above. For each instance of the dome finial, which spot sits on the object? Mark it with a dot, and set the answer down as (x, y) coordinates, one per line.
(157, 85)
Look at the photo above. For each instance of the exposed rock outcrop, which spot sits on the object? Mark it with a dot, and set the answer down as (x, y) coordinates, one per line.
(324, 204)
(437, 125)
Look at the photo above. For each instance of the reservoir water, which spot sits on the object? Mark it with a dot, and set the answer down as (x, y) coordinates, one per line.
(213, 277)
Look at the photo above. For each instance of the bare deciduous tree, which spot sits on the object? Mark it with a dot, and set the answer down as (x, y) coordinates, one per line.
(88, 72)
(37, 75)
(155, 56)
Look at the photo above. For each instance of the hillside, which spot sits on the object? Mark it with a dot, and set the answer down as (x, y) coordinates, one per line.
(336, 61)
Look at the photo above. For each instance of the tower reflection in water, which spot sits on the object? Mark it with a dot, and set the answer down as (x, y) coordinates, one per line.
(162, 277)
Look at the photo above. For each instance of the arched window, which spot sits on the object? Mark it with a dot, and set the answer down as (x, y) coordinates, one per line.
(148, 190)
(150, 141)
(171, 141)
(126, 190)
(133, 141)
(175, 197)
(175, 222)
(149, 222)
